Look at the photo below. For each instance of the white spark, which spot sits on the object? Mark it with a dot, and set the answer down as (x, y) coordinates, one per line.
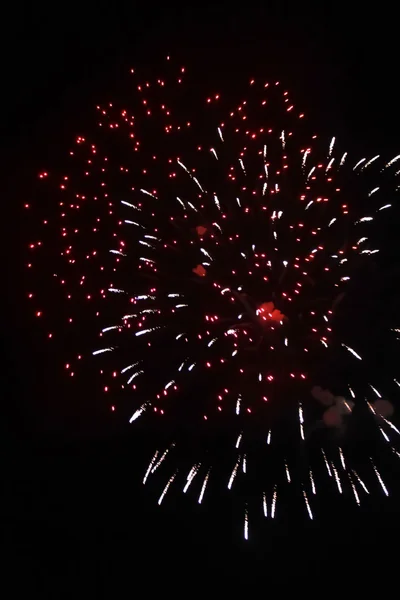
(192, 207)
(353, 487)
(213, 151)
(136, 374)
(360, 481)
(306, 153)
(329, 166)
(310, 173)
(301, 419)
(192, 474)
(144, 331)
(331, 146)
(359, 163)
(148, 193)
(265, 507)
(375, 390)
(337, 478)
(307, 505)
(379, 477)
(150, 467)
(235, 468)
(129, 367)
(273, 506)
(131, 206)
(161, 460)
(342, 458)
(165, 490)
(110, 349)
(312, 483)
(206, 253)
(238, 406)
(392, 161)
(326, 463)
(352, 351)
(203, 488)
(369, 162)
(138, 413)
(133, 223)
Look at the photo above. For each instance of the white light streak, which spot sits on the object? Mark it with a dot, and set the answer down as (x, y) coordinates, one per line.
(165, 490)
(150, 467)
(203, 488)
(352, 351)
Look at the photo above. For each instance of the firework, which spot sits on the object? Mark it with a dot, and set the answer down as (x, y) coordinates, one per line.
(202, 252)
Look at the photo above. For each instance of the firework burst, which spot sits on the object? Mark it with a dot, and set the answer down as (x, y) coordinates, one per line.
(202, 253)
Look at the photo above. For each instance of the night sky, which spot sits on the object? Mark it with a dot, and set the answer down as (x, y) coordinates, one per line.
(76, 517)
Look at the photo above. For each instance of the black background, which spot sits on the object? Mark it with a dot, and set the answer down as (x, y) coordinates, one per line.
(75, 518)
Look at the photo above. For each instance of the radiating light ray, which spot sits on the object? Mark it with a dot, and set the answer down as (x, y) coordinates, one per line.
(149, 468)
(360, 481)
(203, 487)
(326, 463)
(353, 487)
(337, 479)
(301, 419)
(160, 460)
(352, 351)
(233, 475)
(138, 413)
(264, 504)
(342, 458)
(273, 505)
(192, 474)
(314, 491)
(384, 488)
(165, 490)
(287, 473)
(375, 390)
(308, 505)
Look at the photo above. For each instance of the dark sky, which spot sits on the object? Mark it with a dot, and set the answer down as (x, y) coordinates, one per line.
(75, 514)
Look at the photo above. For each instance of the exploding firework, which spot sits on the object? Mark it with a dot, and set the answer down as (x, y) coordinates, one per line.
(202, 254)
